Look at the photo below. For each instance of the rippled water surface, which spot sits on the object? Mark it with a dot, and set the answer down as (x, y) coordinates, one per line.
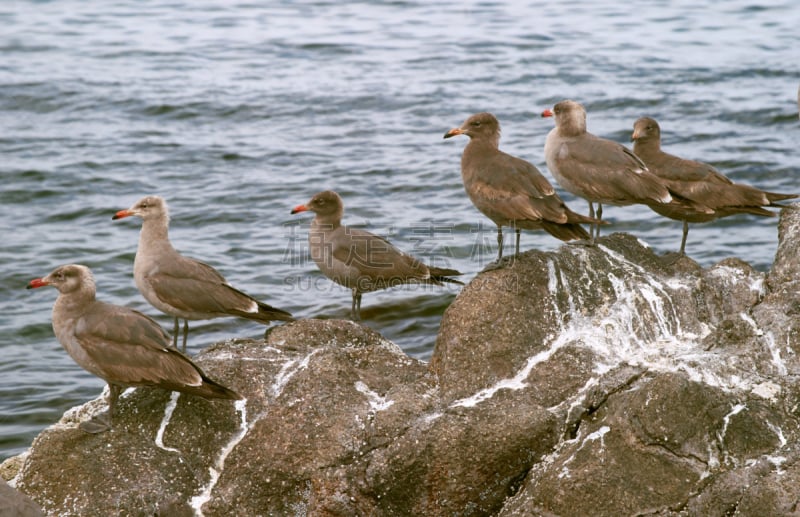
(237, 111)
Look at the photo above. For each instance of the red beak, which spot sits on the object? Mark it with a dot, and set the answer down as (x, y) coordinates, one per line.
(299, 208)
(36, 282)
(547, 113)
(121, 214)
(453, 132)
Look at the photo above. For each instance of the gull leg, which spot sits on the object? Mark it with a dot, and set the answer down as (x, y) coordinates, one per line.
(185, 334)
(683, 239)
(102, 422)
(497, 264)
(600, 217)
(499, 243)
(592, 226)
(175, 334)
(355, 310)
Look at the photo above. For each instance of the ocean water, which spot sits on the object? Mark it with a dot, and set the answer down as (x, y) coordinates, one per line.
(237, 111)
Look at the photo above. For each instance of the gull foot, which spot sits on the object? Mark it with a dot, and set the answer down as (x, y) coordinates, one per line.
(500, 264)
(97, 424)
(670, 259)
(587, 243)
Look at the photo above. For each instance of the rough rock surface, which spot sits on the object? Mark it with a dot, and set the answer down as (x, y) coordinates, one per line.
(586, 381)
(15, 504)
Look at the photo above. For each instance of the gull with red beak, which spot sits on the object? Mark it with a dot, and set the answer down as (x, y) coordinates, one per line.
(359, 260)
(181, 286)
(120, 345)
(509, 190)
(596, 169)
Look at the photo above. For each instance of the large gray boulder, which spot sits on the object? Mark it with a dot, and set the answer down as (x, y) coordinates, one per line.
(587, 381)
(337, 421)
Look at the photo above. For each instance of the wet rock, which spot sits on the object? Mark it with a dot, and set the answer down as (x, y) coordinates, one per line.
(337, 421)
(782, 277)
(464, 459)
(543, 301)
(767, 486)
(15, 504)
(587, 381)
(643, 454)
(711, 432)
(733, 287)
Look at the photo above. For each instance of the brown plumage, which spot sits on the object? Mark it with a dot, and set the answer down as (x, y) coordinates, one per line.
(509, 190)
(597, 169)
(120, 345)
(715, 194)
(360, 260)
(182, 286)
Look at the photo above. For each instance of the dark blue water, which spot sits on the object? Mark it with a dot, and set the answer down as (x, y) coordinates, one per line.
(237, 111)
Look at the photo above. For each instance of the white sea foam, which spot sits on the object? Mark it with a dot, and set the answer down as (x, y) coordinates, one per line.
(640, 326)
(215, 471)
(168, 410)
(591, 437)
(289, 369)
(376, 402)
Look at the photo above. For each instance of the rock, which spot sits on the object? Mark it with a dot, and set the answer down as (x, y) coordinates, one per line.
(337, 421)
(641, 452)
(587, 381)
(462, 458)
(15, 504)
(767, 486)
(602, 302)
